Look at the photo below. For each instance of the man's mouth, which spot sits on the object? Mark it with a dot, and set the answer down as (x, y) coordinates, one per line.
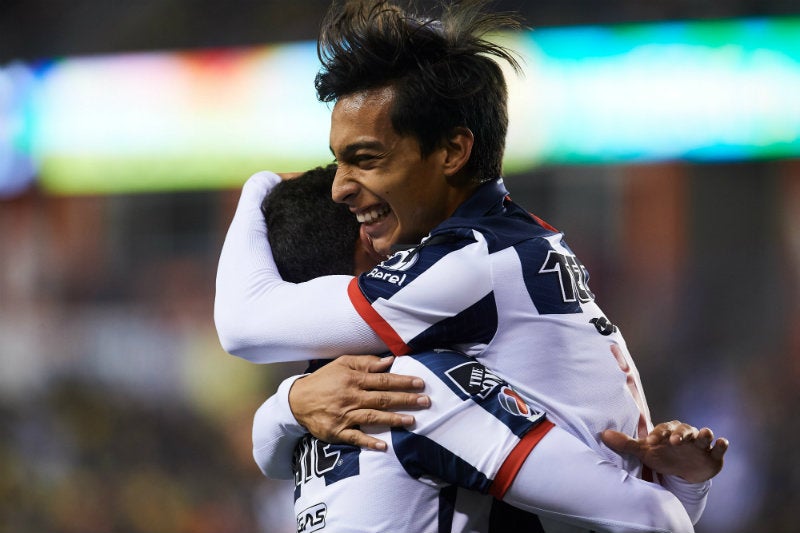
(373, 215)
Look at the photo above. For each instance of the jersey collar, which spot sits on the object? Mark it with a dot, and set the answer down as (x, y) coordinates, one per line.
(486, 200)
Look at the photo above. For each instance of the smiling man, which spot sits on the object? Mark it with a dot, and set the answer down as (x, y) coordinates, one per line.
(418, 129)
(397, 194)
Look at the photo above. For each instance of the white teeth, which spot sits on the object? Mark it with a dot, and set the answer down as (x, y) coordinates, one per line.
(373, 215)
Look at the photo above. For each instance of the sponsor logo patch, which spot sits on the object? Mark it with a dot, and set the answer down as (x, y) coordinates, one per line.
(604, 326)
(474, 379)
(389, 277)
(312, 519)
(402, 260)
(511, 402)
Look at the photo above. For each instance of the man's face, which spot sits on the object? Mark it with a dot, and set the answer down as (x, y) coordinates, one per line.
(395, 193)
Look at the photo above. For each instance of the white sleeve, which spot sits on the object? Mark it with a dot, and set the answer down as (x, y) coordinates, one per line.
(264, 319)
(693, 496)
(275, 433)
(564, 480)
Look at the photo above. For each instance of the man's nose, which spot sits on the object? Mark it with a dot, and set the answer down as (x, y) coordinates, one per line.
(344, 188)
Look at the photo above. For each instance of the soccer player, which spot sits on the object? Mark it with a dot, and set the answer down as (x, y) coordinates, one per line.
(312, 236)
(418, 129)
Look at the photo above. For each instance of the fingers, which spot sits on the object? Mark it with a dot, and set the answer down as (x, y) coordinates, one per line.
(371, 374)
(352, 392)
(389, 382)
(661, 433)
(362, 440)
(368, 417)
(372, 417)
(381, 365)
(676, 432)
(719, 448)
(682, 433)
(704, 439)
(620, 442)
(385, 400)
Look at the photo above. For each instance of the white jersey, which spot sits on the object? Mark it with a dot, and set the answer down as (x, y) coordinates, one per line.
(475, 426)
(499, 284)
(440, 475)
(492, 281)
(478, 440)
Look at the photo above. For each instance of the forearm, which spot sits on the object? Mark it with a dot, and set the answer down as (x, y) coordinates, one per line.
(565, 480)
(262, 318)
(275, 433)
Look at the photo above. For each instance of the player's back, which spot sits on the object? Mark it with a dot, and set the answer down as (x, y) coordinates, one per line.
(434, 476)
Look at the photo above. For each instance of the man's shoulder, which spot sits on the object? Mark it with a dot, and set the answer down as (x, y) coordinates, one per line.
(500, 230)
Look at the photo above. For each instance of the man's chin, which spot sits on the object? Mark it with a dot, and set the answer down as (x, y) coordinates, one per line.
(377, 249)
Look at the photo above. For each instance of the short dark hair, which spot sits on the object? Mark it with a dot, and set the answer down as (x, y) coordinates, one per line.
(442, 71)
(310, 234)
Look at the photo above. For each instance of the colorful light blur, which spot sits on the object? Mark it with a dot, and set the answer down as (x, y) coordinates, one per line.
(694, 90)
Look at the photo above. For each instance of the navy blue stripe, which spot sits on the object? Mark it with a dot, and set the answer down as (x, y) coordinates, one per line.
(421, 456)
(447, 508)
(475, 324)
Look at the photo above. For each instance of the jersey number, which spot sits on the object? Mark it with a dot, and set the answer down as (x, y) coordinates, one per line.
(313, 459)
(571, 276)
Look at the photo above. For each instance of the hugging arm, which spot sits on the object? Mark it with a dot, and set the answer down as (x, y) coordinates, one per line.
(358, 391)
(264, 319)
(561, 478)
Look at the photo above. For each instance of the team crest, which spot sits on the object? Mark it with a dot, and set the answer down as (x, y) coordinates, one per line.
(474, 379)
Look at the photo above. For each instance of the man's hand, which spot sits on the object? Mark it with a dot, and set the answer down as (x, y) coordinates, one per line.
(674, 448)
(350, 391)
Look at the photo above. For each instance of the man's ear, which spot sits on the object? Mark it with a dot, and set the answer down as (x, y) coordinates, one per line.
(458, 148)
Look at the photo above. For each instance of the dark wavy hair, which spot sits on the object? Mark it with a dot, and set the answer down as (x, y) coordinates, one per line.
(310, 235)
(443, 71)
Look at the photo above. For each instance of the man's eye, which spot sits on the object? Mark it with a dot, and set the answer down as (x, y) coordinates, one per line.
(364, 159)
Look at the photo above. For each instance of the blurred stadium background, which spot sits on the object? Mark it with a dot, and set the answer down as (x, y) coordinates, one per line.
(662, 137)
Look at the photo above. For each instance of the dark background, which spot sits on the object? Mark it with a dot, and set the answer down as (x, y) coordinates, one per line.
(31, 29)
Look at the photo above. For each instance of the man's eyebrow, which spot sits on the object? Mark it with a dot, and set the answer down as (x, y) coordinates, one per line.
(352, 148)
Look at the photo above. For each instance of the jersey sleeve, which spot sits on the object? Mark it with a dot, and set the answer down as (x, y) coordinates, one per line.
(563, 480)
(478, 430)
(438, 294)
(264, 319)
(276, 433)
(693, 496)
(481, 435)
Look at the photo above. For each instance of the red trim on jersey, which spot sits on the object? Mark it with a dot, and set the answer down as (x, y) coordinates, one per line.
(505, 476)
(543, 224)
(375, 320)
